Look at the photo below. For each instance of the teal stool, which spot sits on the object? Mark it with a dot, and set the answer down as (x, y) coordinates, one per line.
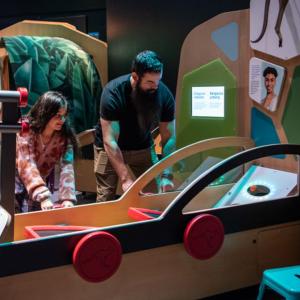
(284, 281)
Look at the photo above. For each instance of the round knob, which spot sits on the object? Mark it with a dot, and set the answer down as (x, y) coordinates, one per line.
(97, 256)
(204, 236)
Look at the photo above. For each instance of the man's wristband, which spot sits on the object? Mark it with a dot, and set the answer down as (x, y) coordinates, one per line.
(167, 176)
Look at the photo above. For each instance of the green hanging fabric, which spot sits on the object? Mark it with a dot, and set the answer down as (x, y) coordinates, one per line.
(49, 63)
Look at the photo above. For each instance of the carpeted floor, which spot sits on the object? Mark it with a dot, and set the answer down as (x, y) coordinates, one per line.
(249, 293)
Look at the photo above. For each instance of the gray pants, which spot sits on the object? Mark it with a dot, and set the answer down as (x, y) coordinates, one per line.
(107, 179)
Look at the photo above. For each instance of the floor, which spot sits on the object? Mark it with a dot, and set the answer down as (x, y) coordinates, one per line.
(249, 293)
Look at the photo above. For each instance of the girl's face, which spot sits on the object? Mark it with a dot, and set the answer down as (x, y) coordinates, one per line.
(57, 121)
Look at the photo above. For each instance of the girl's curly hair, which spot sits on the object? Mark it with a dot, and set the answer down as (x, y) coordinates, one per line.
(46, 107)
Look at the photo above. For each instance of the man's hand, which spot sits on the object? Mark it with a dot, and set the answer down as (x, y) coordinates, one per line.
(126, 184)
(166, 185)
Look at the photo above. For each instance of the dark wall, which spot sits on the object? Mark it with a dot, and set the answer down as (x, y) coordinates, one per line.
(159, 25)
(86, 15)
(129, 26)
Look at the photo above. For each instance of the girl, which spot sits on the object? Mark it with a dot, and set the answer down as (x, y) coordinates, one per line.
(48, 140)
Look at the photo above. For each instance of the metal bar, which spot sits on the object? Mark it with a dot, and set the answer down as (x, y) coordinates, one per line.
(6, 128)
(10, 96)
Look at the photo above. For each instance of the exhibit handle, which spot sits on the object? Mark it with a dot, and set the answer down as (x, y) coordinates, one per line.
(20, 96)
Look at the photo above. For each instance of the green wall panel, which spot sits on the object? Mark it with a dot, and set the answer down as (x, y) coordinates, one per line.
(291, 119)
(191, 129)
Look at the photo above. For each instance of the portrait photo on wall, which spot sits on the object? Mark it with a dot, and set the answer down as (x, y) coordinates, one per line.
(265, 83)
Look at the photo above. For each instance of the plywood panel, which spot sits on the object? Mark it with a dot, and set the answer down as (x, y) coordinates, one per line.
(168, 272)
(279, 247)
(161, 273)
(198, 49)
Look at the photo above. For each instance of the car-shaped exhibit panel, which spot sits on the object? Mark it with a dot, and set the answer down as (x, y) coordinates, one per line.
(116, 212)
(155, 263)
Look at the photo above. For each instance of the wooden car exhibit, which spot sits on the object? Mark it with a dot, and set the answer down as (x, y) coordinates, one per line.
(162, 256)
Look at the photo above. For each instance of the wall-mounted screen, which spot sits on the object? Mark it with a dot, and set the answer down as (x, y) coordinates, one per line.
(208, 101)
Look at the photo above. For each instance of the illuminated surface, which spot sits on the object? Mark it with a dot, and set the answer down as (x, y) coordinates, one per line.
(278, 184)
(208, 101)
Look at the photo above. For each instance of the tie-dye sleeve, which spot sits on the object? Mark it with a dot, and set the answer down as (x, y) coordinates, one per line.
(27, 168)
(67, 180)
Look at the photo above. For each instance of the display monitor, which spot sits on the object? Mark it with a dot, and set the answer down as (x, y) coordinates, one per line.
(208, 101)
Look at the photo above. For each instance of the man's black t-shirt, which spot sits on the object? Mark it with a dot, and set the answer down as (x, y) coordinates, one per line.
(116, 105)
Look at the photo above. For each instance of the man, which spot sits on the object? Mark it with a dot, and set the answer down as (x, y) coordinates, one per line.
(131, 105)
(271, 99)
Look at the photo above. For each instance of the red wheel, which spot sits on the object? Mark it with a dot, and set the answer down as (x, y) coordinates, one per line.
(23, 101)
(204, 236)
(97, 256)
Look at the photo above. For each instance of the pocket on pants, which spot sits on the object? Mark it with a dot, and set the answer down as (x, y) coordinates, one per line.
(102, 164)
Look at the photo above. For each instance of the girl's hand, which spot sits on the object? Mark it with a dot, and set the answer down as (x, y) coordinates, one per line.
(67, 203)
(46, 204)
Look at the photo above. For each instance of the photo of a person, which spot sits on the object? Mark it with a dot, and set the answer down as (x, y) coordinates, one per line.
(271, 99)
(265, 83)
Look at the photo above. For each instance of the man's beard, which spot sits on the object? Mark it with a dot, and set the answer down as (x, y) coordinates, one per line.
(146, 104)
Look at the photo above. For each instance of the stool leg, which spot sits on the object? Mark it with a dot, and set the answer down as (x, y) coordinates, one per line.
(261, 291)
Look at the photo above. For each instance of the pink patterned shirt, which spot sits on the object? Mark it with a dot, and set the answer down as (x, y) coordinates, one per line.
(35, 161)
